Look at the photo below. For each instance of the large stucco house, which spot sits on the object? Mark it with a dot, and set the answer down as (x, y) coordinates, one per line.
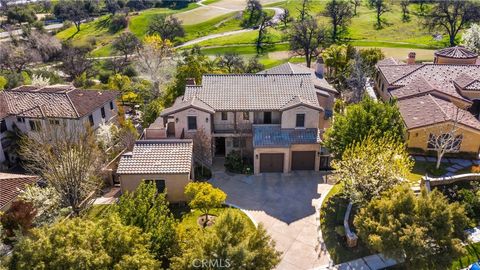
(434, 96)
(29, 108)
(276, 117)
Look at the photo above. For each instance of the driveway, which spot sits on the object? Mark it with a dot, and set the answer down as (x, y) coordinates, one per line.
(286, 205)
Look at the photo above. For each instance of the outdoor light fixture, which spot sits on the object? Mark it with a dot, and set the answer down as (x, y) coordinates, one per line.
(176, 120)
(206, 119)
(256, 156)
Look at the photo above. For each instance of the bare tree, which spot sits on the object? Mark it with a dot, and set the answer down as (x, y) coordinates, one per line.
(16, 58)
(452, 16)
(202, 148)
(285, 18)
(67, 157)
(356, 4)
(340, 13)
(405, 12)
(155, 61)
(380, 7)
(232, 62)
(263, 39)
(75, 60)
(306, 38)
(126, 44)
(357, 80)
(446, 138)
(304, 11)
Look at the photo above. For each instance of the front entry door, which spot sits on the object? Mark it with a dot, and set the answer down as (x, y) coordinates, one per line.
(220, 146)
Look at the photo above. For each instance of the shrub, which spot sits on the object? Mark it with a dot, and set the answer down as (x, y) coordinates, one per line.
(18, 218)
(234, 162)
(476, 169)
(117, 23)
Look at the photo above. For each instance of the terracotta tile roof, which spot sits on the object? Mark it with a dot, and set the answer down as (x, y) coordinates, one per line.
(297, 101)
(388, 61)
(290, 68)
(275, 136)
(439, 77)
(465, 81)
(458, 52)
(54, 101)
(427, 110)
(181, 104)
(418, 86)
(250, 92)
(157, 157)
(12, 184)
(3, 107)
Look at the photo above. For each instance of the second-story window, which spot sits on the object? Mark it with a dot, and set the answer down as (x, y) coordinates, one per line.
(20, 119)
(90, 120)
(102, 110)
(54, 122)
(300, 123)
(224, 116)
(246, 116)
(3, 126)
(111, 105)
(192, 122)
(35, 125)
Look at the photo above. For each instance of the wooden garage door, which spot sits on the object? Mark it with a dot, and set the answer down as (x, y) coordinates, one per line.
(303, 160)
(271, 163)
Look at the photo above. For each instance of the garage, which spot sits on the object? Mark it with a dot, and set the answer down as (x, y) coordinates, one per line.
(303, 160)
(271, 163)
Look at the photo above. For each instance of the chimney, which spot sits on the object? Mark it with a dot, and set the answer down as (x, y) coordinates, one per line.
(411, 58)
(319, 67)
(190, 81)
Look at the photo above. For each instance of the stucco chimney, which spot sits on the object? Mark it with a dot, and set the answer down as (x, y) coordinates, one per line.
(411, 58)
(190, 81)
(319, 67)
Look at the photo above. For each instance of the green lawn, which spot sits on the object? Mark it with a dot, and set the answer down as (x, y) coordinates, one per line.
(331, 222)
(220, 24)
(473, 255)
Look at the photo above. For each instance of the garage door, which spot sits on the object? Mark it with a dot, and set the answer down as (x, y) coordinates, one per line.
(303, 160)
(271, 163)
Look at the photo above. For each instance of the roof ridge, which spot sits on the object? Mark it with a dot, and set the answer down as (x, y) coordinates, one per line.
(71, 103)
(409, 73)
(439, 106)
(255, 74)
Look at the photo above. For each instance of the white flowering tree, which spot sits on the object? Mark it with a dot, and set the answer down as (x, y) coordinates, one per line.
(46, 201)
(106, 133)
(39, 80)
(471, 38)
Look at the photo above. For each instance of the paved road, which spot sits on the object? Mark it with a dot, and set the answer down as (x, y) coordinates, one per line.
(287, 206)
(6, 35)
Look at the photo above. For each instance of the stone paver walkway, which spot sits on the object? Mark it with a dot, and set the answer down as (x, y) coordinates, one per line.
(109, 197)
(287, 206)
(457, 163)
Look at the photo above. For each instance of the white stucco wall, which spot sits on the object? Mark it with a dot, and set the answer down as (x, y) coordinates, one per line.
(289, 117)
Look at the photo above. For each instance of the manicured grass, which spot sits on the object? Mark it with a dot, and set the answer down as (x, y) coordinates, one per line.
(473, 255)
(331, 222)
(220, 24)
(98, 211)
(208, 2)
(96, 30)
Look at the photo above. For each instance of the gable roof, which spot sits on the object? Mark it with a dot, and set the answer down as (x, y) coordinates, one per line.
(457, 52)
(428, 110)
(251, 92)
(12, 184)
(58, 101)
(439, 77)
(182, 104)
(157, 157)
(290, 68)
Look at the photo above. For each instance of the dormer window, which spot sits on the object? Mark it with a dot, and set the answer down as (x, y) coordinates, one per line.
(224, 116)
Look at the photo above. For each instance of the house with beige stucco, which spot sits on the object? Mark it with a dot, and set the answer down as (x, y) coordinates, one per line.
(275, 117)
(434, 97)
(167, 163)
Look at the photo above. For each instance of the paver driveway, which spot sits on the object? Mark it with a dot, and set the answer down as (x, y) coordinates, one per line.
(286, 206)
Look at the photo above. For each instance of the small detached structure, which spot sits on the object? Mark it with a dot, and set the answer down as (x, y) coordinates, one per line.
(11, 185)
(166, 162)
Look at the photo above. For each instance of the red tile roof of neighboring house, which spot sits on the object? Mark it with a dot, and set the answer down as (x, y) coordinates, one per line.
(62, 101)
(457, 52)
(12, 184)
(427, 110)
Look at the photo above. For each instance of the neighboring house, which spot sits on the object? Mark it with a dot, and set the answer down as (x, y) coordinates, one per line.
(167, 163)
(432, 96)
(29, 108)
(11, 185)
(275, 118)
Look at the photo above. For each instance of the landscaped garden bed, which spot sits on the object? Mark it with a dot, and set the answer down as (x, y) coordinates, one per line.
(331, 222)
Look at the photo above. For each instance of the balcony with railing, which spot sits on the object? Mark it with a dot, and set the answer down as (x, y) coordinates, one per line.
(233, 128)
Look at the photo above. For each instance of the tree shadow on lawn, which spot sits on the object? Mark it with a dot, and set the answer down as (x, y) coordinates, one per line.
(331, 218)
